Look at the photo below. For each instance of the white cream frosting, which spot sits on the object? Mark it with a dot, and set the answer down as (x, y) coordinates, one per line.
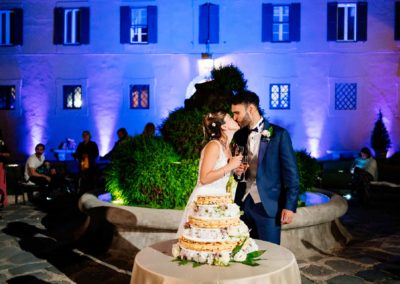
(209, 212)
(233, 233)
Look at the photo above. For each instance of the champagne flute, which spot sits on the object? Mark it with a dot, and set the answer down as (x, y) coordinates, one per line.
(245, 163)
(241, 150)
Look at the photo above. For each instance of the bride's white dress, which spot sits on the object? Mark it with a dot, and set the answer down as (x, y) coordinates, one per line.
(217, 187)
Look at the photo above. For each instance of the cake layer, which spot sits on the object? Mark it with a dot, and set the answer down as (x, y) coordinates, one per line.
(214, 200)
(207, 246)
(233, 233)
(213, 223)
(216, 211)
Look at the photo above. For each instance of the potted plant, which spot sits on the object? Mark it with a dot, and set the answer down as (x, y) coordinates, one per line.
(380, 140)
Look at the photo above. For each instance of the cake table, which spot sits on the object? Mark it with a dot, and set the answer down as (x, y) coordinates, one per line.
(154, 265)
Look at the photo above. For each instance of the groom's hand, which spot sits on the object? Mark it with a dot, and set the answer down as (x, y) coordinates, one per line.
(287, 216)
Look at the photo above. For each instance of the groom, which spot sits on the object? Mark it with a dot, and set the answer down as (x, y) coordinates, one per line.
(268, 197)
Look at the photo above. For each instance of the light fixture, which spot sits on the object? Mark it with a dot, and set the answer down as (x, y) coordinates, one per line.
(206, 63)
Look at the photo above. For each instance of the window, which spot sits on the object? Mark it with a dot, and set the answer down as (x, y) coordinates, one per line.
(7, 97)
(10, 27)
(397, 21)
(345, 96)
(139, 96)
(138, 25)
(72, 96)
(279, 96)
(208, 23)
(281, 23)
(71, 26)
(347, 22)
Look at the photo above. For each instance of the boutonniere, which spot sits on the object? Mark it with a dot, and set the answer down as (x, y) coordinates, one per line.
(266, 134)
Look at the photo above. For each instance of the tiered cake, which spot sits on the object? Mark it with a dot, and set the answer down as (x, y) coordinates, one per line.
(213, 230)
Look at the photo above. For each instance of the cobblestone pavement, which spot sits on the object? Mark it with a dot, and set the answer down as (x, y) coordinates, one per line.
(373, 256)
(38, 247)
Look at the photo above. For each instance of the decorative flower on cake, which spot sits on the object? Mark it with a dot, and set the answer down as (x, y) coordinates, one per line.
(266, 134)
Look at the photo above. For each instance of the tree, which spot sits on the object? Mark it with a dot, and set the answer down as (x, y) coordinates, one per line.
(380, 140)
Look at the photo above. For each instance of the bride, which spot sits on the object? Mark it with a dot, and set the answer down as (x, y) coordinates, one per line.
(216, 161)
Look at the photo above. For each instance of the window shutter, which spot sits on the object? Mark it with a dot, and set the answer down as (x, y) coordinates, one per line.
(125, 24)
(209, 23)
(266, 29)
(397, 21)
(58, 36)
(294, 22)
(85, 26)
(203, 24)
(332, 21)
(362, 17)
(17, 27)
(214, 23)
(152, 23)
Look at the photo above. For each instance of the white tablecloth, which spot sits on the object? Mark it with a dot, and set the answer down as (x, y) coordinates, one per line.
(154, 265)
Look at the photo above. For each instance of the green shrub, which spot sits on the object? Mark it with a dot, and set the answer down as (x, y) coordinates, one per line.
(183, 129)
(146, 171)
(309, 170)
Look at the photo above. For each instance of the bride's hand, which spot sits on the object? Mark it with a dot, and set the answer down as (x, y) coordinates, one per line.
(235, 162)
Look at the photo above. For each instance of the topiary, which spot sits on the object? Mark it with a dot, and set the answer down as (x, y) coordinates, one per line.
(380, 140)
(146, 171)
(183, 127)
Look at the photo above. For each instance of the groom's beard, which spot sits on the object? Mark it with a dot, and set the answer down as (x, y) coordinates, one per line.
(246, 121)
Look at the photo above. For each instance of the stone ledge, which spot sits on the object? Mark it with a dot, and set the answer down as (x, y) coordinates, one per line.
(315, 229)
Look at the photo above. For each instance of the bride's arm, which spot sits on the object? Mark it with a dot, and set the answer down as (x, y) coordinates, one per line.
(210, 157)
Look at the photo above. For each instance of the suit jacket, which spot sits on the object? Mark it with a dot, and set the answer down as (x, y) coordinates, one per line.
(277, 174)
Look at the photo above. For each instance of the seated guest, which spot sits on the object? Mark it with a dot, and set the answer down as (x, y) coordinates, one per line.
(364, 170)
(31, 166)
(87, 152)
(122, 135)
(4, 154)
(149, 130)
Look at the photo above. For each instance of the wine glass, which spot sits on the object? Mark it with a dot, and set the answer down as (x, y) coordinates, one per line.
(241, 150)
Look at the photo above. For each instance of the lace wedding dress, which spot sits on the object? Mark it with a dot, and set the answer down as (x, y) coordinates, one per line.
(215, 188)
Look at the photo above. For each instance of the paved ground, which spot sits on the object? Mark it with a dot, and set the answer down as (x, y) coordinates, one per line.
(40, 246)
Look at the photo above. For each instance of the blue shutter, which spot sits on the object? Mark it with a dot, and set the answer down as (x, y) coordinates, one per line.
(84, 29)
(17, 27)
(125, 24)
(294, 22)
(152, 23)
(397, 21)
(214, 23)
(58, 33)
(203, 23)
(332, 21)
(266, 29)
(209, 23)
(362, 17)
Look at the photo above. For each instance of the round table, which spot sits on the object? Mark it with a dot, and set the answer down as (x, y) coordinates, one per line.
(154, 265)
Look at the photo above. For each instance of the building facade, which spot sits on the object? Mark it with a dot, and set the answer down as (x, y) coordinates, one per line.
(322, 69)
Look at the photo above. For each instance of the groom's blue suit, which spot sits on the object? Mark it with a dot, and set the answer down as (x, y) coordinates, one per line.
(277, 182)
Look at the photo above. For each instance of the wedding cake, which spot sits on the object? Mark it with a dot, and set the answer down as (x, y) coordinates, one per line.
(214, 233)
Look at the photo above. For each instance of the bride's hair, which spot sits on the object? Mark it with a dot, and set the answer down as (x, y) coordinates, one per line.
(212, 125)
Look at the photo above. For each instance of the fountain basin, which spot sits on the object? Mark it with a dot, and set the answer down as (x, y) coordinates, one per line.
(315, 228)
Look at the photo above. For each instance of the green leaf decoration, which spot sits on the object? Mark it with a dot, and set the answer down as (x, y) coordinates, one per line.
(255, 254)
(238, 247)
(197, 264)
